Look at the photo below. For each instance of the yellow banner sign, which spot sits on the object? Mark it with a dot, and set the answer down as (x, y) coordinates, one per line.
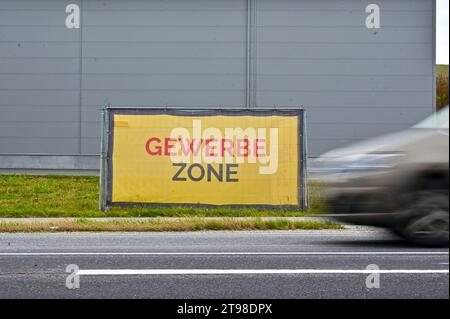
(205, 158)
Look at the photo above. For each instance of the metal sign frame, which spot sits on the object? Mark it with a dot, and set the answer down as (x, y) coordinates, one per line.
(107, 142)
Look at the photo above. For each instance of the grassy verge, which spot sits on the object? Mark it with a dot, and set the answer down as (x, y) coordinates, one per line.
(442, 86)
(161, 225)
(77, 196)
(442, 70)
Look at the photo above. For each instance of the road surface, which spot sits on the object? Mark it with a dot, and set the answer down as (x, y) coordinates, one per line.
(249, 265)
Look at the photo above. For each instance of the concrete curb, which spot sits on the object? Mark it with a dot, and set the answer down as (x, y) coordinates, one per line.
(172, 219)
(143, 219)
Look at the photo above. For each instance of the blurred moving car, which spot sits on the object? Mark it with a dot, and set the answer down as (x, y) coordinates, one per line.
(399, 181)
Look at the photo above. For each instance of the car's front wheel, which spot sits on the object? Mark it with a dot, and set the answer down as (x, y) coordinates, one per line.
(425, 221)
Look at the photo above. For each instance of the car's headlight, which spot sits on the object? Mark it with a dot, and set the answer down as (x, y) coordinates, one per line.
(371, 161)
(358, 163)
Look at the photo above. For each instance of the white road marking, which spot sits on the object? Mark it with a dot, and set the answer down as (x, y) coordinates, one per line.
(128, 272)
(382, 253)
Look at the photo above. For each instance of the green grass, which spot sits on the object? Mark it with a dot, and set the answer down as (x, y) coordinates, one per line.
(77, 196)
(442, 70)
(442, 86)
(158, 225)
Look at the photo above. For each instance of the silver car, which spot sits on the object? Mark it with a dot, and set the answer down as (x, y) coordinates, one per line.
(399, 181)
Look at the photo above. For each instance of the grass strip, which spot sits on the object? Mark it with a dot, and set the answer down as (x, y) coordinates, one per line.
(163, 225)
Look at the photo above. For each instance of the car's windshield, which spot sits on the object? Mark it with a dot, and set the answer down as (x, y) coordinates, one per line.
(438, 120)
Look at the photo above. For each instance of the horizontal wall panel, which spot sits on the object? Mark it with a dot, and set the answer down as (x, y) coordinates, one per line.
(38, 33)
(50, 129)
(33, 18)
(343, 5)
(21, 97)
(34, 5)
(345, 83)
(39, 50)
(343, 18)
(179, 6)
(347, 99)
(228, 98)
(355, 35)
(154, 34)
(344, 51)
(167, 18)
(40, 66)
(354, 131)
(39, 146)
(39, 81)
(182, 66)
(163, 82)
(394, 115)
(180, 50)
(345, 67)
(39, 114)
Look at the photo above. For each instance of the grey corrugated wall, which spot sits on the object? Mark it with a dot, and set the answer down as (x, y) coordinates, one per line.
(354, 82)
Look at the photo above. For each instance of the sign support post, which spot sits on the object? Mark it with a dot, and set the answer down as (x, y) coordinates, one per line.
(104, 158)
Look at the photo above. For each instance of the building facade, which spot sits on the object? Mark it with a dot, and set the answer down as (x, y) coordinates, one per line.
(359, 68)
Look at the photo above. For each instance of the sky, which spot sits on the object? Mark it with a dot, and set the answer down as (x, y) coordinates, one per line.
(442, 32)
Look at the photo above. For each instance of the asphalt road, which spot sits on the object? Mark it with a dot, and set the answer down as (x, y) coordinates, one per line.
(307, 264)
